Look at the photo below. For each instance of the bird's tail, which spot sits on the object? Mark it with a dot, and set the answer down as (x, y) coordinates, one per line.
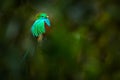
(39, 38)
(31, 51)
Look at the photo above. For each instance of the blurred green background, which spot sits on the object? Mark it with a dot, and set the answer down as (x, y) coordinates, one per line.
(84, 43)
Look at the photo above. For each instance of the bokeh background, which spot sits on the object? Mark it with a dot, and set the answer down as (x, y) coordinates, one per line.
(84, 43)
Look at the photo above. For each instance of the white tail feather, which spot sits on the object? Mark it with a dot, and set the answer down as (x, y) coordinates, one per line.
(39, 39)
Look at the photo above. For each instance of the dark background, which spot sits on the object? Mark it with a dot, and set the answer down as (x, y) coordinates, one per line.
(84, 43)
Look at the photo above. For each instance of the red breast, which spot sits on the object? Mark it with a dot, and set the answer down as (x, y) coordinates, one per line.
(47, 28)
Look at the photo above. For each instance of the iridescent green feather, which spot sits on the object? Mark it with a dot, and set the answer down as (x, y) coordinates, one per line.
(38, 28)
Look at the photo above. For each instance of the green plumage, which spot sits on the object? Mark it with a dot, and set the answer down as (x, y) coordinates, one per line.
(38, 26)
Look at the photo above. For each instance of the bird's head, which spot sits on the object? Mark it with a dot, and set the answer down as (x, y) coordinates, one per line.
(44, 17)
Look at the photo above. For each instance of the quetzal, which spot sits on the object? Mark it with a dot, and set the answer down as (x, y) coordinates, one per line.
(41, 26)
(39, 29)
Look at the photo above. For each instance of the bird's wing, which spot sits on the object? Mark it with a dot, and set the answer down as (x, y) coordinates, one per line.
(38, 28)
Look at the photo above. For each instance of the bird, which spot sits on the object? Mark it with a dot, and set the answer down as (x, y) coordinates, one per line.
(41, 26)
(39, 29)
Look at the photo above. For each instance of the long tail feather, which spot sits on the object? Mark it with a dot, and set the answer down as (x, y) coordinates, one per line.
(31, 51)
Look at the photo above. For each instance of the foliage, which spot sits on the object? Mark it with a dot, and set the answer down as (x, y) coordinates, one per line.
(84, 43)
